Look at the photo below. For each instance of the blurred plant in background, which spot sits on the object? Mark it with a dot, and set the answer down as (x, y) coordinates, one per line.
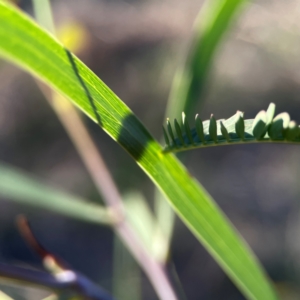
(134, 47)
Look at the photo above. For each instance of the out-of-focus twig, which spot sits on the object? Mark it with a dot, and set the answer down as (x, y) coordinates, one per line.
(86, 148)
(62, 277)
(107, 188)
(51, 262)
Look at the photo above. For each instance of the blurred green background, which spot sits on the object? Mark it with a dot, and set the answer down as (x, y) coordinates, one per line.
(135, 48)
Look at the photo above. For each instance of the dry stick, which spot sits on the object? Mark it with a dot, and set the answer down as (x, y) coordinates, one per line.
(26, 232)
(62, 276)
(106, 187)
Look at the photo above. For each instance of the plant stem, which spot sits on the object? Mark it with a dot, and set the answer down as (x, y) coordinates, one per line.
(106, 187)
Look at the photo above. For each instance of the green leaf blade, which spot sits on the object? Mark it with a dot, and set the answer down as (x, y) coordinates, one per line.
(259, 126)
(213, 129)
(178, 131)
(240, 126)
(225, 132)
(270, 113)
(199, 129)
(292, 131)
(278, 126)
(29, 46)
(23, 188)
(187, 128)
(212, 25)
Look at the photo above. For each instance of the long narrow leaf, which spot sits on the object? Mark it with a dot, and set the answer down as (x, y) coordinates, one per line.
(23, 188)
(27, 45)
(212, 24)
(189, 81)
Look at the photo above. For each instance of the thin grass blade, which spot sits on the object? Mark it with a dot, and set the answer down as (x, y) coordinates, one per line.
(213, 22)
(27, 45)
(23, 188)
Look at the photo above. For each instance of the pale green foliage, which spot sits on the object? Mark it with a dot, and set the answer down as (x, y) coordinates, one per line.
(21, 187)
(213, 22)
(24, 43)
(264, 128)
